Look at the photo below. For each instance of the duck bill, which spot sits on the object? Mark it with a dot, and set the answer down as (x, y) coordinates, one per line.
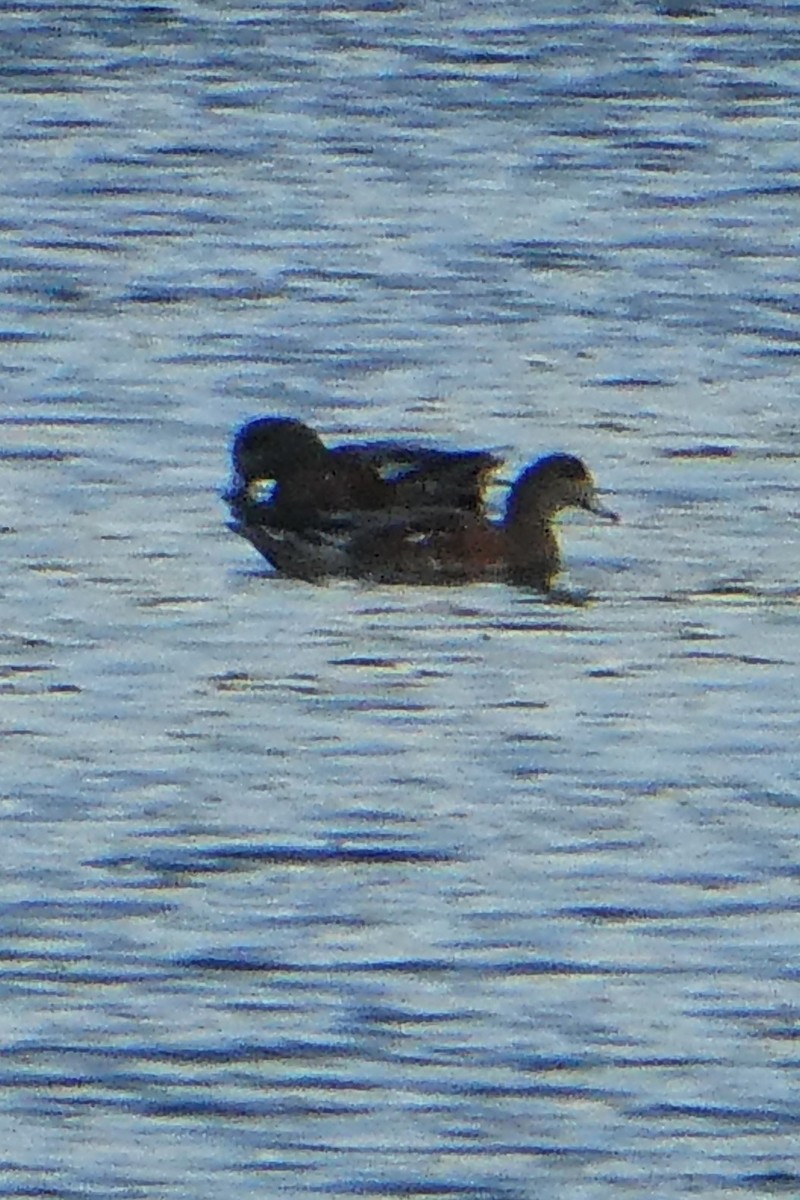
(598, 510)
(233, 492)
(248, 491)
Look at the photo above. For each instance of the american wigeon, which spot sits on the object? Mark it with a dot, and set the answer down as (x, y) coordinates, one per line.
(313, 481)
(441, 545)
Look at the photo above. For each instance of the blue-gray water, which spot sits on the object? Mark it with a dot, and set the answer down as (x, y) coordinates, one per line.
(359, 891)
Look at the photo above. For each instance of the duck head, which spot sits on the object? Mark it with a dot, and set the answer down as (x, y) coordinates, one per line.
(270, 447)
(554, 483)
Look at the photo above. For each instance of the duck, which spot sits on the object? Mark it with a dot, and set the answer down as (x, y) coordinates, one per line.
(443, 545)
(313, 481)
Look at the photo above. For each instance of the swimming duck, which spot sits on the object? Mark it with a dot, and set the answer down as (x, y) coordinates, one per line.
(441, 545)
(313, 481)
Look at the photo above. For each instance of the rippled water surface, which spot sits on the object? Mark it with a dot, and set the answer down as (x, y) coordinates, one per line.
(361, 891)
